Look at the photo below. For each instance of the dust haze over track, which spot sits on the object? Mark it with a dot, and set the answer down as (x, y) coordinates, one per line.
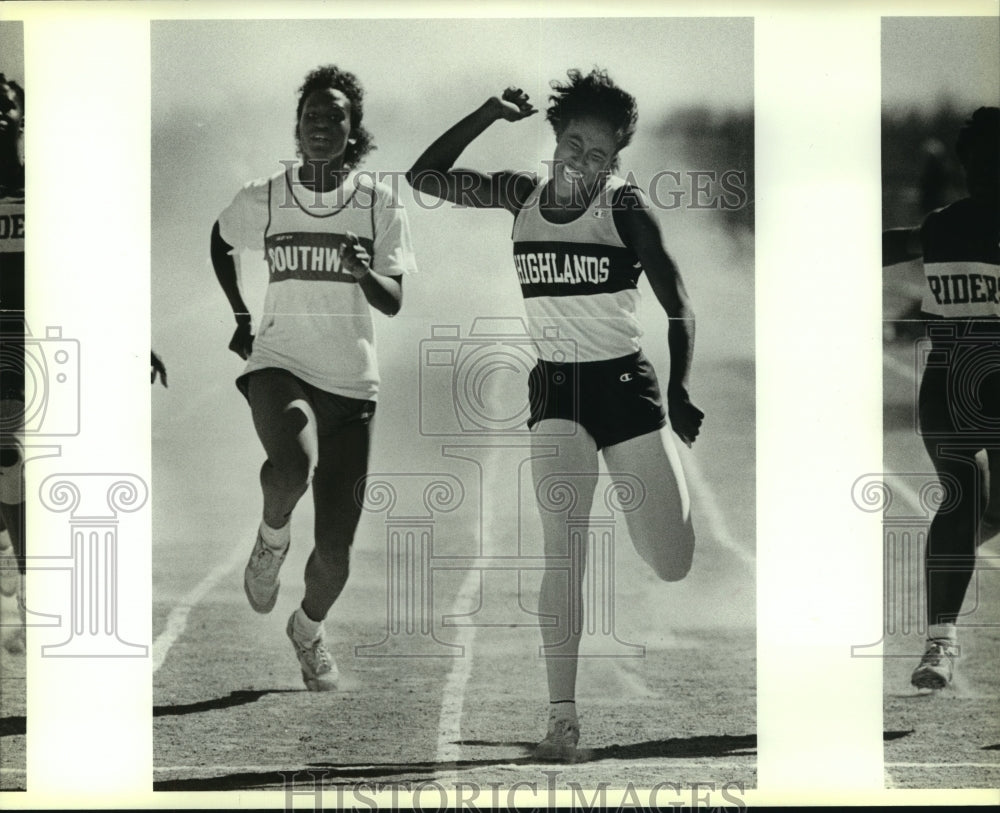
(229, 705)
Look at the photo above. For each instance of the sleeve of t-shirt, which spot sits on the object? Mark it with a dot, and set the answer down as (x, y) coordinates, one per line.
(243, 222)
(393, 254)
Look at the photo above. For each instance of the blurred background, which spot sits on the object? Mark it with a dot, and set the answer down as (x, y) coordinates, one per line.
(223, 113)
(935, 73)
(12, 50)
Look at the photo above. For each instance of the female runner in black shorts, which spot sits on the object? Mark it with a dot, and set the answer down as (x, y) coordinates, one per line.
(581, 239)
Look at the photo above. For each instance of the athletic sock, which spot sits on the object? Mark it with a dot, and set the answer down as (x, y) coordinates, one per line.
(276, 538)
(942, 632)
(304, 628)
(562, 710)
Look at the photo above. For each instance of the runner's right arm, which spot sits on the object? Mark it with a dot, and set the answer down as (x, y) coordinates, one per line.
(433, 171)
(901, 245)
(225, 272)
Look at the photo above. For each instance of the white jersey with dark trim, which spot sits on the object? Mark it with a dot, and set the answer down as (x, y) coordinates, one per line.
(12, 251)
(316, 321)
(11, 221)
(578, 280)
(961, 248)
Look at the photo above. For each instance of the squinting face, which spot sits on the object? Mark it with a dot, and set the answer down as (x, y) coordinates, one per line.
(585, 150)
(325, 125)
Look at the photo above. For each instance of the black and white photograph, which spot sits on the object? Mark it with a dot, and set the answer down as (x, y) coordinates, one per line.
(452, 487)
(528, 420)
(941, 383)
(12, 409)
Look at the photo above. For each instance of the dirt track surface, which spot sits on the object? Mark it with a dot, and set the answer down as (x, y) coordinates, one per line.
(950, 738)
(13, 721)
(230, 709)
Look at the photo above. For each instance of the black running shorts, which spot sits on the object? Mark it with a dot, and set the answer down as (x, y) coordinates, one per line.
(614, 400)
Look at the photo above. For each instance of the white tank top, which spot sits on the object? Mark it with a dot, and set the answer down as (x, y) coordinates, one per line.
(578, 280)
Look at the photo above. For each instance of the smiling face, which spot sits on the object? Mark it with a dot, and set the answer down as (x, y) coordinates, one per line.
(585, 150)
(324, 125)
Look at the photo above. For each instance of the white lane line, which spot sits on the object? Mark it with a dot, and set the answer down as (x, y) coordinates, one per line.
(908, 494)
(717, 525)
(203, 771)
(177, 620)
(635, 687)
(942, 765)
(904, 371)
(908, 373)
(450, 722)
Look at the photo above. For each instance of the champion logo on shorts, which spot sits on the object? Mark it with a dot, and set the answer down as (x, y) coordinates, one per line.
(625, 377)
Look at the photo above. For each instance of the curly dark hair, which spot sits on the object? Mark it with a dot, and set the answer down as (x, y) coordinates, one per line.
(330, 76)
(597, 96)
(980, 136)
(978, 149)
(18, 90)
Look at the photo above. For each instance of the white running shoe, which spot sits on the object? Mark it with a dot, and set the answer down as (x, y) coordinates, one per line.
(936, 666)
(260, 577)
(8, 566)
(560, 742)
(319, 671)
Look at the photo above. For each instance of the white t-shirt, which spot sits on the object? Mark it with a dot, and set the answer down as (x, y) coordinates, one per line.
(316, 321)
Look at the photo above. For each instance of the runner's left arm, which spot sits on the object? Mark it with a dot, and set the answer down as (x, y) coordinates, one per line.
(641, 231)
(384, 292)
(380, 273)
